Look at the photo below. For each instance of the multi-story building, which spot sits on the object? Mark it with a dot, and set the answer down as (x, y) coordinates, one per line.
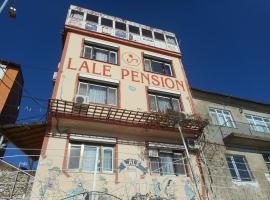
(235, 146)
(118, 92)
(11, 84)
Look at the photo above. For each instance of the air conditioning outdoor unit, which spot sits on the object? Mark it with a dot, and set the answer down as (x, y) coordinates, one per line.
(193, 144)
(153, 153)
(81, 99)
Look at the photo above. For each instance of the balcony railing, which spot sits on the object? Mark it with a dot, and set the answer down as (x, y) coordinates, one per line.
(114, 115)
(244, 129)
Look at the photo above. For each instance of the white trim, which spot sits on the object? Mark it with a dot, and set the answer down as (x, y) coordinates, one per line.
(164, 91)
(158, 56)
(101, 43)
(165, 146)
(94, 139)
(99, 79)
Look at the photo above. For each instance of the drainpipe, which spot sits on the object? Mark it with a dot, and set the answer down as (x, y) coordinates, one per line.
(95, 174)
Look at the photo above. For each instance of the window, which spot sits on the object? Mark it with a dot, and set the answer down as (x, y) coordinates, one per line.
(101, 94)
(166, 163)
(84, 156)
(158, 66)
(221, 117)
(92, 18)
(159, 36)
(266, 158)
(238, 167)
(147, 33)
(120, 26)
(160, 103)
(171, 40)
(100, 53)
(259, 124)
(106, 22)
(76, 14)
(2, 71)
(134, 29)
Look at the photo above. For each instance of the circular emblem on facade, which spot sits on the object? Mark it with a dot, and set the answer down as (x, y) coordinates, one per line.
(131, 59)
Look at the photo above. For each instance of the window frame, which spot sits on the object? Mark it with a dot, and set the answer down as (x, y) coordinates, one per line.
(139, 33)
(107, 21)
(164, 63)
(3, 71)
(78, 12)
(115, 24)
(162, 40)
(143, 29)
(168, 39)
(109, 50)
(266, 158)
(254, 124)
(223, 115)
(166, 97)
(98, 85)
(92, 21)
(100, 148)
(160, 171)
(236, 170)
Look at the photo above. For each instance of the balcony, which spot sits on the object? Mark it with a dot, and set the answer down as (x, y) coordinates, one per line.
(113, 115)
(247, 135)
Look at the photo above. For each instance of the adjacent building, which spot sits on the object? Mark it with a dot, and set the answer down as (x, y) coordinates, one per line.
(235, 147)
(119, 94)
(11, 84)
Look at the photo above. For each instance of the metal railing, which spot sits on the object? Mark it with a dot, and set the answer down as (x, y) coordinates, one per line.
(244, 129)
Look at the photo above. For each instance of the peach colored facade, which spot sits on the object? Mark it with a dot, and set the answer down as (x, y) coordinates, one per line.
(130, 176)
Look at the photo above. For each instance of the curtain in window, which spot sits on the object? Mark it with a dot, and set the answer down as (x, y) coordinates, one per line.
(97, 94)
(147, 65)
(107, 159)
(87, 52)
(167, 69)
(166, 162)
(153, 106)
(176, 105)
(100, 55)
(179, 164)
(89, 158)
(164, 104)
(112, 96)
(112, 58)
(74, 157)
(154, 165)
(82, 89)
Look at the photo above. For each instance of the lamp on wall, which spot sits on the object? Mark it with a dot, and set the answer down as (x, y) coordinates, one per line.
(12, 10)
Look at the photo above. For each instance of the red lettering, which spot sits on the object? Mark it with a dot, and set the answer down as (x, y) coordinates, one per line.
(69, 64)
(134, 75)
(107, 70)
(162, 82)
(125, 72)
(180, 84)
(155, 80)
(94, 70)
(84, 65)
(143, 76)
(171, 85)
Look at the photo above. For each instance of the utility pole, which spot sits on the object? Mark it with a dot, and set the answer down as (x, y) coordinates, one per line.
(189, 160)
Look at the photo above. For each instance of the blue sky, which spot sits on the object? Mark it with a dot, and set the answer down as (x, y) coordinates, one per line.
(225, 44)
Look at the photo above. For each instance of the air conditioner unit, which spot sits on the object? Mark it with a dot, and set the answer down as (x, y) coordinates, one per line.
(153, 153)
(81, 99)
(193, 144)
